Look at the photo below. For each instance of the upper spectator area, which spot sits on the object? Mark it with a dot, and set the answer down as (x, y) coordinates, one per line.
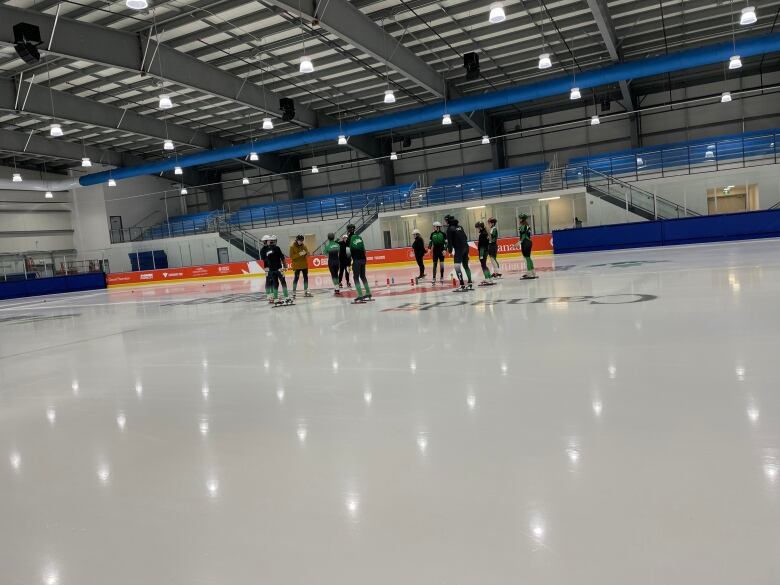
(183, 225)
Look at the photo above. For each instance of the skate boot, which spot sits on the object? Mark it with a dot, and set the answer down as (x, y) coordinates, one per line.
(337, 292)
(358, 301)
(278, 302)
(497, 275)
(469, 286)
(307, 294)
(531, 274)
(289, 301)
(487, 283)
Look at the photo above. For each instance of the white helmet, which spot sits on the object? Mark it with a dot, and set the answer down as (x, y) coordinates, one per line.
(265, 238)
(436, 224)
(415, 232)
(272, 238)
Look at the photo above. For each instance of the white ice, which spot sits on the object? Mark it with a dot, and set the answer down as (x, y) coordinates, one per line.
(543, 432)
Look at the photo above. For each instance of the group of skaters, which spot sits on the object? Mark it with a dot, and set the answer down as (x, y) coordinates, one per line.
(350, 251)
(455, 242)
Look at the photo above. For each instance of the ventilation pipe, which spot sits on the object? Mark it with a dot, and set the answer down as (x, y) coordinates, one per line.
(561, 85)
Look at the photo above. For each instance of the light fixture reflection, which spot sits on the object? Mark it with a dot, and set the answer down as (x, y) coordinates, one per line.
(121, 421)
(212, 486)
(139, 389)
(280, 394)
(612, 370)
(753, 413)
(422, 442)
(302, 432)
(597, 407)
(16, 461)
(203, 426)
(51, 415)
(104, 474)
(471, 401)
(367, 396)
(205, 391)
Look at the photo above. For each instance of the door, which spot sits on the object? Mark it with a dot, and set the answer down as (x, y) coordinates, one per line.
(222, 256)
(116, 232)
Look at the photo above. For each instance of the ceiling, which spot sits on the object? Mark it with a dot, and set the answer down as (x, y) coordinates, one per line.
(261, 43)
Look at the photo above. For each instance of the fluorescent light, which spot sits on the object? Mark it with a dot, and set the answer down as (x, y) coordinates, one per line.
(111, 182)
(178, 170)
(594, 120)
(342, 139)
(253, 156)
(306, 65)
(55, 130)
(730, 186)
(544, 61)
(245, 181)
(748, 15)
(165, 102)
(393, 155)
(725, 97)
(389, 96)
(168, 144)
(486, 139)
(183, 191)
(85, 162)
(16, 178)
(446, 120)
(575, 93)
(735, 62)
(411, 215)
(268, 124)
(497, 13)
(475, 207)
(49, 195)
(549, 198)
(314, 169)
(137, 4)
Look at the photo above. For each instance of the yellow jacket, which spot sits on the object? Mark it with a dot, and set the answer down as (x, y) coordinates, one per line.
(299, 255)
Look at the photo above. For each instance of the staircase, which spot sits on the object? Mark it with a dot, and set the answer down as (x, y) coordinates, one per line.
(367, 215)
(632, 198)
(239, 238)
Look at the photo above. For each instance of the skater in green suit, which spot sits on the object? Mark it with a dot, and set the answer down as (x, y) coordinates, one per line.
(525, 246)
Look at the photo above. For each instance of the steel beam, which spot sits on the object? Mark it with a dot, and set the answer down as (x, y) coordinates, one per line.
(603, 21)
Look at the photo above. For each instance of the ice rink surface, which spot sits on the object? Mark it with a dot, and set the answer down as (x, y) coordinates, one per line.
(616, 421)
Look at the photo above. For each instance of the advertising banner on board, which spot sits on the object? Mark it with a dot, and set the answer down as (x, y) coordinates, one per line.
(392, 256)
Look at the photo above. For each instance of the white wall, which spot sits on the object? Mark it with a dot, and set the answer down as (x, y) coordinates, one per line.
(141, 200)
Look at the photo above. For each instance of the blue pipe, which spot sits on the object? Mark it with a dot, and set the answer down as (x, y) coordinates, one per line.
(687, 59)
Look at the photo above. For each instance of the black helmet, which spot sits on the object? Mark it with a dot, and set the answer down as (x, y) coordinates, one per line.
(299, 237)
(331, 236)
(492, 220)
(351, 228)
(479, 225)
(448, 219)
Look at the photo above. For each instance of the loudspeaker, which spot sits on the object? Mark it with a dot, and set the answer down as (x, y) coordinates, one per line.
(605, 105)
(288, 109)
(407, 142)
(471, 64)
(27, 37)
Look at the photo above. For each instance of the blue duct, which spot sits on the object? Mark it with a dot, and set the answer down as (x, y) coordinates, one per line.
(688, 59)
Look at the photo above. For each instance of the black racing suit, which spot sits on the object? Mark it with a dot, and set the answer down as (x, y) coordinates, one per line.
(344, 262)
(458, 246)
(274, 261)
(419, 251)
(263, 250)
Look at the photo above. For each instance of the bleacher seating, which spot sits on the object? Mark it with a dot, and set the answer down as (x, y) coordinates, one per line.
(701, 155)
(338, 205)
(489, 184)
(183, 225)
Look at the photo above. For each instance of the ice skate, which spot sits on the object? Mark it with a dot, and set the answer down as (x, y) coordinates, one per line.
(289, 301)
(307, 294)
(358, 301)
(497, 275)
(487, 283)
(337, 292)
(530, 275)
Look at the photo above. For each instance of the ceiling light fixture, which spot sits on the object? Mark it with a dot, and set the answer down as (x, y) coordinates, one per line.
(49, 195)
(268, 124)
(486, 139)
(306, 65)
(342, 139)
(725, 97)
(544, 61)
(178, 170)
(16, 178)
(253, 156)
(575, 93)
(245, 181)
(497, 13)
(389, 96)
(168, 144)
(111, 182)
(748, 15)
(314, 169)
(137, 4)
(85, 162)
(165, 102)
(183, 191)
(735, 62)
(55, 131)
(594, 120)
(394, 155)
(446, 120)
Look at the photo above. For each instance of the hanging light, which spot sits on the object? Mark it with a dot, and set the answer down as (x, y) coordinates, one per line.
(137, 4)
(544, 61)
(486, 139)
(710, 152)
(165, 102)
(594, 120)
(183, 191)
(16, 178)
(253, 156)
(168, 144)
(268, 124)
(748, 15)
(735, 62)
(314, 169)
(446, 120)
(306, 65)
(575, 93)
(111, 182)
(497, 13)
(178, 170)
(640, 162)
(245, 181)
(725, 97)
(394, 155)
(55, 130)
(342, 139)
(389, 96)
(85, 162)
(49, 195)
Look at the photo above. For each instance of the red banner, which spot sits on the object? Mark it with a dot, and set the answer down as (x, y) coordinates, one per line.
(506, 246)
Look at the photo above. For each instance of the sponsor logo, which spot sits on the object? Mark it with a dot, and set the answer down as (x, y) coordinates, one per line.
(616, 299)
(147, 276)
(316, 261)
(224, 269)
